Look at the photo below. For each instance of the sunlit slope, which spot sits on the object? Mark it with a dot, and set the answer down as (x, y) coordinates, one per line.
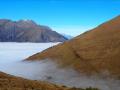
(96, 51)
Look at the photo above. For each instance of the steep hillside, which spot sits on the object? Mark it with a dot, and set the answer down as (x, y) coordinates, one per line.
(9, 82)
(27, 31)
(94, 52)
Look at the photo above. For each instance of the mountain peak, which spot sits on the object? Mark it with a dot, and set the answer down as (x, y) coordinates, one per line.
(27, 21)
(27, 31)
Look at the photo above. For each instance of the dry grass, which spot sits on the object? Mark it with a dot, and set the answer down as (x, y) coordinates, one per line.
(95, 51)
(8, 82)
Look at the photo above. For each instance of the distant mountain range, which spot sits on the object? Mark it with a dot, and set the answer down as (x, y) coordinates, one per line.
(94, 52)
(67, 36)
(27, 31)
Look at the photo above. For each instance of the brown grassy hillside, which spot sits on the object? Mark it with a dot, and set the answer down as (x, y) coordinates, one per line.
(8, 82)
(96, 51)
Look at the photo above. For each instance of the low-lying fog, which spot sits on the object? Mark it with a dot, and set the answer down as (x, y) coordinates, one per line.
(12, 54)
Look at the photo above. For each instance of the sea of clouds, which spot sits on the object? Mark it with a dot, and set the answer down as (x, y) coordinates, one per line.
(12, 54)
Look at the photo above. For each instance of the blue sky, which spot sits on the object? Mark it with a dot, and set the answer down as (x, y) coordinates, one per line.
(65, 16)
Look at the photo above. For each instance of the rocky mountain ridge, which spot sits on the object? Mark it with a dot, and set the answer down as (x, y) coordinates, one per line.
(27, 31)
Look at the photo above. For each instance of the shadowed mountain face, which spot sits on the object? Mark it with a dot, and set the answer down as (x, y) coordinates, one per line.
(94, 52)
(27, 31)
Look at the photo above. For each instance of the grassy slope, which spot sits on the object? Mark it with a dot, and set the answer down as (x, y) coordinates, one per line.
(95, 51)
(8, 82)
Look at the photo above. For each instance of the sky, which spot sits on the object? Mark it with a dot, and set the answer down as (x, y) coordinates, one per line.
(71, 17)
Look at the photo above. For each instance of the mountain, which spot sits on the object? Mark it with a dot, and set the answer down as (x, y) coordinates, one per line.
(9, 82)
(27, 31)
(67, 36)
(94, 52)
